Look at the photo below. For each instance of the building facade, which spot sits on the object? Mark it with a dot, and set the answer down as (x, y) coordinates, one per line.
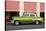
(18, 8)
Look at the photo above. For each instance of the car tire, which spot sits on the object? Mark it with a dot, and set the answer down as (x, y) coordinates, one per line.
(37, 22)
(16, 22)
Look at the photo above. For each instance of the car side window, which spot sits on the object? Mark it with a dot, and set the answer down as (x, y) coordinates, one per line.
(31, 15)
(25, 14)
(28, 14)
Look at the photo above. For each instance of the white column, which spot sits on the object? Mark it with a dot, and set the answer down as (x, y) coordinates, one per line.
(21, 8)
(38, 9)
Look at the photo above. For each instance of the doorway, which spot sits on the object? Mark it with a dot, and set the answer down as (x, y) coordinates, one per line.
(8, 15)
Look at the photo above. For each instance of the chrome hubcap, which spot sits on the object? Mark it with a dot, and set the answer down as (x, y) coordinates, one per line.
(37, 22)
(17, 23)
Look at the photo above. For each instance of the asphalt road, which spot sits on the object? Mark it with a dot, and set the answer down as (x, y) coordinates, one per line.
(24, 26)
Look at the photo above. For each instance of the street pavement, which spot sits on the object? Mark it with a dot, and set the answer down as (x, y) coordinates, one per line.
(10, 26)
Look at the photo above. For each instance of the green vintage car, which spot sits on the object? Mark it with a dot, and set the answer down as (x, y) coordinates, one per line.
(26, 19)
